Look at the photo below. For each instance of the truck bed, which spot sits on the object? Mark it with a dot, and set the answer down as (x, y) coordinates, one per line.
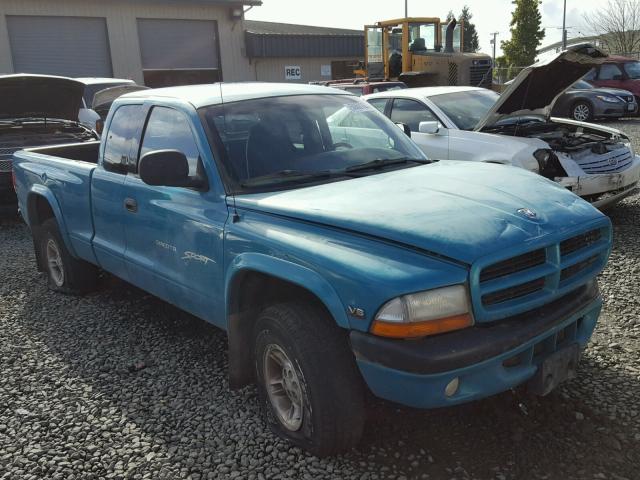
(62, 174)
(82, 152)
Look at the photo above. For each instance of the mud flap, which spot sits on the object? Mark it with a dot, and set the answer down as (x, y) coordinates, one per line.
(555, 369)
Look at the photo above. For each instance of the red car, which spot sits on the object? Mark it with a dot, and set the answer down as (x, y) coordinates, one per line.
(617, 72)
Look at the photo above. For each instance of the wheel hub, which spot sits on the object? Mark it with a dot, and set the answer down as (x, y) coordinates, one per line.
(581, 112)
(54, 263)
(283, 387)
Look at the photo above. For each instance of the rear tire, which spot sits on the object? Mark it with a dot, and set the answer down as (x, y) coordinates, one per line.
(65, 273)
(308, 381)
(582, 111)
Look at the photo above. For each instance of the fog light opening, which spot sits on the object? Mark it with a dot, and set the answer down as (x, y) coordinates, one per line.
(452, 387)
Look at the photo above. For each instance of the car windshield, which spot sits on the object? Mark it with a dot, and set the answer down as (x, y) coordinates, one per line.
(280, 142)
(632, 69)
(582, 85)
(466, 109)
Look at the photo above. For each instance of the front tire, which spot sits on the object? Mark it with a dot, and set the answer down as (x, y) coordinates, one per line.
(582, 111)
(65, 273)
(309, 384)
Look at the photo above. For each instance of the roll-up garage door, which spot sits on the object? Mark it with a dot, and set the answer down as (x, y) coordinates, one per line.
(68, 46)
(176, 52)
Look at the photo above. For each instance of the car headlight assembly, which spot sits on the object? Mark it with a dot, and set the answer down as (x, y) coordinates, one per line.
(608, 99)
(424, 313)
(542, 156)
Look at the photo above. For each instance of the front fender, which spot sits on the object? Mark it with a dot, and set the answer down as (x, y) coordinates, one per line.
(36, 191)
(290, 272)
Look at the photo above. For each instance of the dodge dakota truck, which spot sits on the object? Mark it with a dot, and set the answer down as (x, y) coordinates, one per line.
(337, 259)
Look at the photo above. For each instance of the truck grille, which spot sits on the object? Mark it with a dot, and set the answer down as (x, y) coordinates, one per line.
(610, 162)
(5, 165)
(531, 279)
(480, 74)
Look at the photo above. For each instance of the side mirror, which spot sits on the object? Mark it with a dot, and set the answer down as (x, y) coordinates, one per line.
(429, 127)
(405, 128)
(167, 168)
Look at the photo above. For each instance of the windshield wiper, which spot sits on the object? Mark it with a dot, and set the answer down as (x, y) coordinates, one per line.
(292, 176)
(385, 162)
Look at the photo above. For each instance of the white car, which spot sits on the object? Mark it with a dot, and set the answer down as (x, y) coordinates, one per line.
(87, 116)
(515, 128)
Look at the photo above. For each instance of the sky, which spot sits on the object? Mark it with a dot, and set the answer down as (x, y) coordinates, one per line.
(488, 15)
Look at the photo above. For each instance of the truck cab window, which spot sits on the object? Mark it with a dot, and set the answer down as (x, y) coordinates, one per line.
(168, 129)
(124, 126)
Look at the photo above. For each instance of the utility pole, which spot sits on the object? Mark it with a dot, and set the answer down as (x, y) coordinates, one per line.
(564, 25)
(406, 8)
(493, 42)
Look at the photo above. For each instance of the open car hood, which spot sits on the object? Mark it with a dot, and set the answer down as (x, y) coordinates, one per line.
(40, 96)
(536, 88)
(108, 95)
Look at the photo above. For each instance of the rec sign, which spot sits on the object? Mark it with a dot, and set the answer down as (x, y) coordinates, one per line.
(293, 72)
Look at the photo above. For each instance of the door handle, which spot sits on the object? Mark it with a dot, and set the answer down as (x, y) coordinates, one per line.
(131, 205)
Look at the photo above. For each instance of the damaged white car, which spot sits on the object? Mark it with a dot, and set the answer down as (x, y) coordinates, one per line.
(515, 128)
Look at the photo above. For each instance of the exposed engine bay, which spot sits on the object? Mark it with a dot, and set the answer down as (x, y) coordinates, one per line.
(593, 151)
(16, 135)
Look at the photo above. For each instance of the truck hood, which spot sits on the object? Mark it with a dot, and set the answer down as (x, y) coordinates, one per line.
(458, 210)
(536, 88)
(40, 96)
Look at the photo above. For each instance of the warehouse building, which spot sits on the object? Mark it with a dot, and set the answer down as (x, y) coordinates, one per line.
(301, 53)
(166, 42)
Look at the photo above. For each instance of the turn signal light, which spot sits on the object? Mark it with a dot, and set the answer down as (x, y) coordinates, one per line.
(421, 329)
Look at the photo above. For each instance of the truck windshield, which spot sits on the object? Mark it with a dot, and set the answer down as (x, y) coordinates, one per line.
(466, 109)
(281, 142)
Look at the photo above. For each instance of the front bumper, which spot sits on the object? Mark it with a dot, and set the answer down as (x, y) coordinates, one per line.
(612, 110)
(604, 189)
(486, 359)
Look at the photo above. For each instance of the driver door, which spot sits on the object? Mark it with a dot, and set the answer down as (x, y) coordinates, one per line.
(412, 112)
(174, 235)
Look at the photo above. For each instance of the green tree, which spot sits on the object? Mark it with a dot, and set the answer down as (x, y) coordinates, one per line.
(526, 33)
(471, 43)
(450, 16)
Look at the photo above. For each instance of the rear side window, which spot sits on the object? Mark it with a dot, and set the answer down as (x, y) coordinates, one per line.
(378, 103)
(168, 129)
(411, 113)
(123, 129)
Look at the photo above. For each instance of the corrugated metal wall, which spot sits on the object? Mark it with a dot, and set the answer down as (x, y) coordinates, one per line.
(121, 17)
(272, 69)
(291, 45)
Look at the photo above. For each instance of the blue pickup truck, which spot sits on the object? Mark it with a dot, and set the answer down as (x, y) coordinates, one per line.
(336, 256)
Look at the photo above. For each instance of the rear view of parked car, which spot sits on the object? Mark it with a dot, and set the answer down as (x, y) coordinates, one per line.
(584, 102)
(36, 110)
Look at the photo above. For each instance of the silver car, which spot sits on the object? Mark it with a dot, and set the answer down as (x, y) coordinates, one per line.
(584, 102)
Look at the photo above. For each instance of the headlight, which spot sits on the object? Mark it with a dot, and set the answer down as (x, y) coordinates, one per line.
(608, 99)
(424, 313)
(542, 156)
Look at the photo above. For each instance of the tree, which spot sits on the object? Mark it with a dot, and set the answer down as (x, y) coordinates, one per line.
(617, 24)
(526, 33)
(450, 16)
(470, 35)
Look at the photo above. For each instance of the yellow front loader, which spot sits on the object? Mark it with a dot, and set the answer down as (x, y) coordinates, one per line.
(422, 52)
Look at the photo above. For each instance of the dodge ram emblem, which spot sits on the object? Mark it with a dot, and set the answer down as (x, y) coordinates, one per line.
(526, 212)
(613, 161)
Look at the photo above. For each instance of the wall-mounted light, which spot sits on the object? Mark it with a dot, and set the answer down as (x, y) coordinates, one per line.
(235, 13)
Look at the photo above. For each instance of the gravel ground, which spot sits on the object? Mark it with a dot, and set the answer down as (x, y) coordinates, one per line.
(121, 385)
